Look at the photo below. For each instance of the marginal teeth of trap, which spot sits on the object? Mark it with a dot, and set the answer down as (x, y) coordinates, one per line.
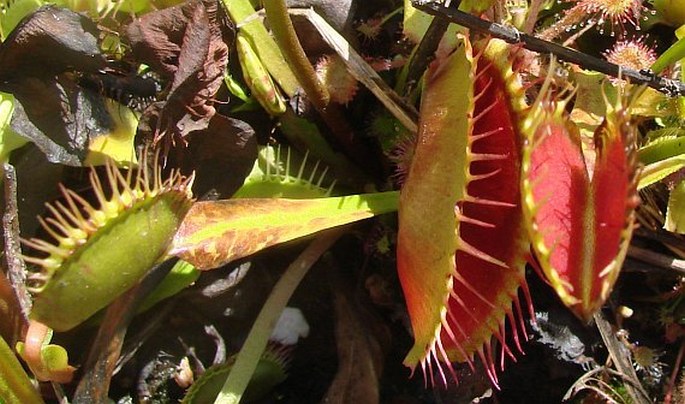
(471, 250)
(489, 202)
(111, 209)
(75, 234)
(127, 198)
(487, 157)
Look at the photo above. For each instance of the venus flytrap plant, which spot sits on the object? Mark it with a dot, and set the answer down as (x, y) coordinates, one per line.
(579, 211)
(276, 175)
(84, 253)
(462, 245)
(99, 252)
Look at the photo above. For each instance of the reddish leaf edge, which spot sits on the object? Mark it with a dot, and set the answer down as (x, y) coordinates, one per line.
(597, 237)
(479, 302)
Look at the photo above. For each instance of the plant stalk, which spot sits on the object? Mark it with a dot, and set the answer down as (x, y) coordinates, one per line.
(513, 36)
(256, 341)
(286, 38)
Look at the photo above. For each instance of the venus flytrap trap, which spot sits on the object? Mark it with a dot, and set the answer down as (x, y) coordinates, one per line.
(580, 212)
(462, 245)
(99, 252)
(487, 176)
(275, 175)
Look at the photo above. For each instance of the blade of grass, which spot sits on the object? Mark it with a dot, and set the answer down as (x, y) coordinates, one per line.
(248, 357)
(621, 360)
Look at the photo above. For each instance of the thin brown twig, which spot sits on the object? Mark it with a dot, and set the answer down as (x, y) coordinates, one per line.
(674, 373)
(654, 258)
(621, 360)
(513, 36)
(106, 349)
(286, 38)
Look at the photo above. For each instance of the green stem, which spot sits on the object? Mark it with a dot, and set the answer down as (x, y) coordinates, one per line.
(15, 386)
(286, 38)
(244, 16)
(255, 343)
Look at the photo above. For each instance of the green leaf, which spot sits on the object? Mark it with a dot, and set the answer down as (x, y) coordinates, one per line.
(244, 15)
(661, 149)
(9, 139)
(15, 385)
(668, 58)
(180, 277)
(214, 233)
(116, 143)
(655, 172)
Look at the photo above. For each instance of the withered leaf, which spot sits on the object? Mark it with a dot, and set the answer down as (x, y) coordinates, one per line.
(38, 64)
(221, 156)
(48, 42)
(185, 44)
(360, 357)
(59, 117)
